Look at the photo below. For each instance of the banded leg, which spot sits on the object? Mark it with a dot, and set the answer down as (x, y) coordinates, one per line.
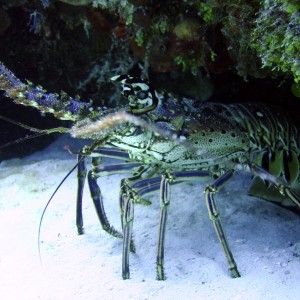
(134, 188)
(164, 184)
(81, 175)
(165, 197)
(127, 222)
(126, 201)
(98, 200)
(99, 170)
(213, 211)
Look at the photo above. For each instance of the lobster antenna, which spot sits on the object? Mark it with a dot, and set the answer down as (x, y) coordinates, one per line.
(45, 208)
(20, 124)
(21, 140)
(39, 132)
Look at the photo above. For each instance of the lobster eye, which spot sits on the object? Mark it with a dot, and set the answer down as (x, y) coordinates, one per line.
(142, 95)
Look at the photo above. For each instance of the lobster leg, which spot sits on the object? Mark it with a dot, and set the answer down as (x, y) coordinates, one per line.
(127, 222)
(96, 195)
(165, 197)
(98, 202)
(131, 192)
(132, 189)
(214, 216)
(81, 175)
(98, 171)
(280, 185)
(127, 200)
(168, 180)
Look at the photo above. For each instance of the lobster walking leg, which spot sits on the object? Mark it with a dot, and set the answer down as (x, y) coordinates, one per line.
(132, 189)
(127, 222)
(165, 196)
(81, 175)
(280, 185)
(98, 202)
(214, 216)
(167, 181)
(126, 201)
(99, 170)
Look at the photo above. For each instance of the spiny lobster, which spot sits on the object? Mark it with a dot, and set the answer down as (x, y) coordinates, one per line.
(166, 140)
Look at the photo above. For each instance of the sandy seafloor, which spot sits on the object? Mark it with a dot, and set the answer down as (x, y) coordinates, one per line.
(265, 240)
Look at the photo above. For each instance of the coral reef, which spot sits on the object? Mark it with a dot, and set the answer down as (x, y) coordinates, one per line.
(276, 36)
(256, 38)
(249, 38)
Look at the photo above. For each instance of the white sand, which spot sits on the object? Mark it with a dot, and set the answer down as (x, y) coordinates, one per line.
(264, 239)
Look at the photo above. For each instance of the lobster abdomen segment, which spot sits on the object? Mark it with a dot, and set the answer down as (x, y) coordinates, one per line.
(273, 138)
